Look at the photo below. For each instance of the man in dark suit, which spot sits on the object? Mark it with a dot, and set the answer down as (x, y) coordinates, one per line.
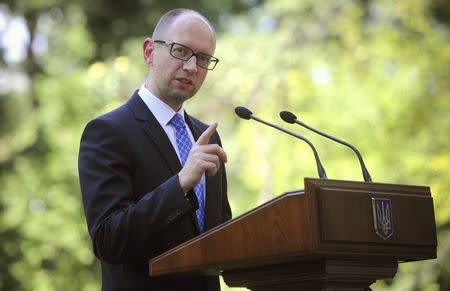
(148, 185)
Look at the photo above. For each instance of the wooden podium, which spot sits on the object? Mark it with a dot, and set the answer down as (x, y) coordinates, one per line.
(333, 235)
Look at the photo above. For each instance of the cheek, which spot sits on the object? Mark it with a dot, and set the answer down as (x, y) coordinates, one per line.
(167, 65)
(201, 77)
(166, 72)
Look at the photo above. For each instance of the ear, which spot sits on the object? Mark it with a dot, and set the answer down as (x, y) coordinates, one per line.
(147, 48)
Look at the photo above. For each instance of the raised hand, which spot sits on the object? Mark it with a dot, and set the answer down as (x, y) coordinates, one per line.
(203, 158)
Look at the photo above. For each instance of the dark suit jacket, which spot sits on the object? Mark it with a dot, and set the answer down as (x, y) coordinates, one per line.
(134, 205)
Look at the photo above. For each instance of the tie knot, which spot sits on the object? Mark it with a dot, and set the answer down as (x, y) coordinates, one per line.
(177, 121)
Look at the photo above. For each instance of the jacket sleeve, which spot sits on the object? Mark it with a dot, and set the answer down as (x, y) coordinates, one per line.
(120, 226)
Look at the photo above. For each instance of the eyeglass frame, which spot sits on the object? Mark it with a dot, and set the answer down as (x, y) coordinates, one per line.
(213, 59)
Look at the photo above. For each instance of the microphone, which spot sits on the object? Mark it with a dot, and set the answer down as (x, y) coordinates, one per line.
(244, 113)
(290, 117)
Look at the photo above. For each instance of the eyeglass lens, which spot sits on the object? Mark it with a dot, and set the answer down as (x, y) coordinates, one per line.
(185, 53)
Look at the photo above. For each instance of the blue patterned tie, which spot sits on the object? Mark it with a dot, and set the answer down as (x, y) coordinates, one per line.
(184, 145)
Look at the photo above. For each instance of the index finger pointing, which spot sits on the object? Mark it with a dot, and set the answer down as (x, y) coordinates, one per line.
(206, 135)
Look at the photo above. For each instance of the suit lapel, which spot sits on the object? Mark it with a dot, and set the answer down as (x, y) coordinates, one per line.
(155, 132)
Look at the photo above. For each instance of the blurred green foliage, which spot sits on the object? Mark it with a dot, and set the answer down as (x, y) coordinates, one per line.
(375, 73)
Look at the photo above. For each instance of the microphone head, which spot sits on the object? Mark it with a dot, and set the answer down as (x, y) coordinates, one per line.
(288, 116)
(243, 112)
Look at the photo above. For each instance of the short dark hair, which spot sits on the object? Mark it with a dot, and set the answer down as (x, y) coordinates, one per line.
(167, 19)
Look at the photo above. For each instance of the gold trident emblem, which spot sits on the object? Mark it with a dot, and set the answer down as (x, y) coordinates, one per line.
(382, 217)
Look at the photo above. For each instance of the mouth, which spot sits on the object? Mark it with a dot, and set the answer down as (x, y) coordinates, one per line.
(184, 81)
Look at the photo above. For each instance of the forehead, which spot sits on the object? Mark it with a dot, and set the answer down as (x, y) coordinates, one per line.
(193, 31)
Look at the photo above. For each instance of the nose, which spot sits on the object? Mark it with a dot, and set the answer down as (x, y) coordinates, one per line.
(191, 64)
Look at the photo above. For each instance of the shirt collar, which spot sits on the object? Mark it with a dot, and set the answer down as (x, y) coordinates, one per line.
(162, 112)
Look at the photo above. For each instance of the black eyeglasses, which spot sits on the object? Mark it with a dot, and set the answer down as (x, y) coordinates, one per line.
(184, 53)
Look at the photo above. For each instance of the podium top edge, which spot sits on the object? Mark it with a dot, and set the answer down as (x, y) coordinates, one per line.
(361, 184)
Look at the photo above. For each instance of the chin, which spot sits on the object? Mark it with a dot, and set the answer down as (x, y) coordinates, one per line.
(182, 95)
